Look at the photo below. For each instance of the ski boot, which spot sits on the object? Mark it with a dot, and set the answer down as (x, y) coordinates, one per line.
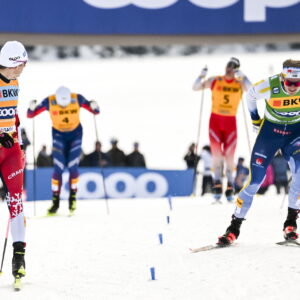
(18, 262)
(72, 201)
(229, 192)
(290, 225)
(55, 205)
(232, 232)
(217, 191)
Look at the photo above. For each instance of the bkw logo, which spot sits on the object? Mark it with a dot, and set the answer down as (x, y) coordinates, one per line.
(254, 10)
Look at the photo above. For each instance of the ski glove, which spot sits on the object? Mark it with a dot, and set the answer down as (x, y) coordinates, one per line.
(32, 105)
(203, 72)
(6, 140)
(94, 105)
(239, 75)
(256, 125)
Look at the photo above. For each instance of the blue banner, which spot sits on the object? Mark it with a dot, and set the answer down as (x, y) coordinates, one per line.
(119, 183)
(158, 17)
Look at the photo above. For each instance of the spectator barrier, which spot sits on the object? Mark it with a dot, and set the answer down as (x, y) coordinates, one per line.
(119, 183)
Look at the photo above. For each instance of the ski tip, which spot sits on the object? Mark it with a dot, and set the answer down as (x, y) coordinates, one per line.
(1, 273)
(289, 243)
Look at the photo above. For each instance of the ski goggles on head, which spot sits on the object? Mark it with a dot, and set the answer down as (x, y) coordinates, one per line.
(290, 72)
(291, 83)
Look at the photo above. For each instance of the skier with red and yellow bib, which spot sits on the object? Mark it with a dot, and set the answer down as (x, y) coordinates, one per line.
(227, 91)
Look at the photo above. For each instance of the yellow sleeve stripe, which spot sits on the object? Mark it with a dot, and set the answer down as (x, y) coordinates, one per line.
(264, 90)
(255, 84)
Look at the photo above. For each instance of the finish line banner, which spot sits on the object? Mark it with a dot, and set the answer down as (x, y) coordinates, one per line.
(150, 17)
(119, 183)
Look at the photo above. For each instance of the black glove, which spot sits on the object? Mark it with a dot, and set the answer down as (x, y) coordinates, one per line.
(6, 140)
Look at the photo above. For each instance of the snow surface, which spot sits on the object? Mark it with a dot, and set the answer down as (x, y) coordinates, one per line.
(149, 100)
(95, 255)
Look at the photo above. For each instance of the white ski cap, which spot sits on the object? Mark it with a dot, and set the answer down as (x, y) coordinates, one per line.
(13, 54)
(63, 96)
(291, 73)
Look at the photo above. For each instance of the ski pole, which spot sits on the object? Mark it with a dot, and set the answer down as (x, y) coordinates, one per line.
(197, 144)
(5, 243)
(101, 169)
(34, 166)
(246, 126)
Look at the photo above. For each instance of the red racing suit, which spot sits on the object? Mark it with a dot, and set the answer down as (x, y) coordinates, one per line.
(12, 159)
(226, 96)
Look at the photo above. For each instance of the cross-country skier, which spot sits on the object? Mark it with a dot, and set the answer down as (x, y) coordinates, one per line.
(13, 58)
(64, 108)
(227, 91)
(279, 129)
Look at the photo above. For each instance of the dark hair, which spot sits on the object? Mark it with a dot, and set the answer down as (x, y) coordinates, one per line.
(291, 63)
(207, 148)
(233, 63)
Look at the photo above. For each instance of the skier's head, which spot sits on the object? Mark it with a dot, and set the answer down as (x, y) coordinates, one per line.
(233, 63)
(63, 96)
(291, 76)
(13, 58)
(231, 66)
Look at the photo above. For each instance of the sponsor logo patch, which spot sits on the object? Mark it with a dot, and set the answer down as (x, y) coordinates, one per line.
(259, 161)
(276, 90)
(239, 202)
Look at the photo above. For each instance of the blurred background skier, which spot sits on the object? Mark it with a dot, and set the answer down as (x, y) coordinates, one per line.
(227, 91)
(64, 108)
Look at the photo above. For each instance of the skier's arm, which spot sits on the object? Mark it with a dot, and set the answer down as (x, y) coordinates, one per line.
(246, 83)
(91, 106)
(18, 129)
(260, 90)
(35, 110)
(244, 80)
(201, 84)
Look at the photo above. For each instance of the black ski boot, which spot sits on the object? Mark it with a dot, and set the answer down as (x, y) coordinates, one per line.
(18, 262)
(232, 232)
(72, 201)
(290, 225)
(55, 204)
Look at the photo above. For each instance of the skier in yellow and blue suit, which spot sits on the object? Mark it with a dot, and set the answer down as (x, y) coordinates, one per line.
(64, 108)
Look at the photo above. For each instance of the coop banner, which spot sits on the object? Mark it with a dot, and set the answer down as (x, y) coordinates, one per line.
(95, 183)
(158, 17)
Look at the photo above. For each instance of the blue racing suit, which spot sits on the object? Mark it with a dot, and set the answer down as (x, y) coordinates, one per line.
(280, 129)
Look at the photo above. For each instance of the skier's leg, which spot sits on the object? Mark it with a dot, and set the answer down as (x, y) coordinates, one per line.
(58, 153)
(73, 163)
(12, 168)
(292, 154)
(217, 161)
(229, 150)
(266, 145)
